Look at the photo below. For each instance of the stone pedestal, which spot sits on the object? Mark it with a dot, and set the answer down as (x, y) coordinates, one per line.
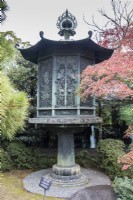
(66, 169)
(66, 155)
(66, 173)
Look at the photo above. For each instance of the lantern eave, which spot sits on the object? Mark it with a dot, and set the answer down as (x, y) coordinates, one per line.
(32, 53)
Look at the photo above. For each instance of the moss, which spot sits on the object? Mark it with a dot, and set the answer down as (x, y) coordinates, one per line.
(12, 187)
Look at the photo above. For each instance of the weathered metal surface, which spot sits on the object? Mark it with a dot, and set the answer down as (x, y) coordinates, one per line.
(66, 80)
(45, 82)
(58, 80)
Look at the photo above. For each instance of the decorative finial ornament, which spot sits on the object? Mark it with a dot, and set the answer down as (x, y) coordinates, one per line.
(41, 34)
(90, 34)
(66, 23)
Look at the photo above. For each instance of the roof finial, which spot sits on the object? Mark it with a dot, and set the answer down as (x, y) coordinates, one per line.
(90, 34)
(67, 23)
(41, 34)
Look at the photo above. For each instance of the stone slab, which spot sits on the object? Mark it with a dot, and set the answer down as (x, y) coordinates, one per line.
(66, 120)
(31, 183)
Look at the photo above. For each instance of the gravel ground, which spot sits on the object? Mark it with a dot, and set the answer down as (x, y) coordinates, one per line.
(31, 183)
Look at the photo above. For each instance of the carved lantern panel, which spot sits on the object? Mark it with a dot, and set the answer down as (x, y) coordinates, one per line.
(58, 81)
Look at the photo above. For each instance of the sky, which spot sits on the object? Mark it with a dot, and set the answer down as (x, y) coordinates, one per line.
(27, 18)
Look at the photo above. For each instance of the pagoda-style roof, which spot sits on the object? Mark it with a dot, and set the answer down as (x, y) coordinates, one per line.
(45, 45)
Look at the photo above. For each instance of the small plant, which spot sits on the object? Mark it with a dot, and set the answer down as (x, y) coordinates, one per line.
(124, 188)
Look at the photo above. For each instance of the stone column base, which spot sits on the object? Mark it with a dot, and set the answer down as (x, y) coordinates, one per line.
(66, 171)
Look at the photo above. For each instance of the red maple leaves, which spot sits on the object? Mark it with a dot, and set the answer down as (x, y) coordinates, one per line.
(113, 78)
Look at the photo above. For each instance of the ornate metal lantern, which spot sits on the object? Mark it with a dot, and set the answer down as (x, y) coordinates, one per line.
(60, 64)
(59, 78)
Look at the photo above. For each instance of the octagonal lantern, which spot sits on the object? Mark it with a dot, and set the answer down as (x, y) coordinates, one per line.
(60, 64)
(59, 78)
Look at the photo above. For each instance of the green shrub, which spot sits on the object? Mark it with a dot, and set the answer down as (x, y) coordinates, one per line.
(42, 159)
(21, 155)
(86, 160)
(18, 156)
(108, 144)
(44, 162)
(6, 162)
(4, 143)
(124, 188)
(110, 150)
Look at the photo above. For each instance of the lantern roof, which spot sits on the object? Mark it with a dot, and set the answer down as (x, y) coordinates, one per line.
(44, 45)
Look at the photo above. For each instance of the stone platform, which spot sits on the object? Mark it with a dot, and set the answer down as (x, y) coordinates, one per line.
(65, 121)
(31, 183)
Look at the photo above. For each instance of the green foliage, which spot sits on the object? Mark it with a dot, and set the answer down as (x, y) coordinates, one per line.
(106, 110)
(3, 9)
(6, 162)
(14, 107)
(108, 144)
(22, 157)
(43, 160)
(124, 188)
(7, 53)
(126, 114)
(24, 76)
(130, 148)
(110, 150)
(86, 160)
(17, 156)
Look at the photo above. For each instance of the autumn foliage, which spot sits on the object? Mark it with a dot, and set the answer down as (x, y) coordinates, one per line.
(126, 160)
(119, 36)
(110, 79)
(113, 78)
